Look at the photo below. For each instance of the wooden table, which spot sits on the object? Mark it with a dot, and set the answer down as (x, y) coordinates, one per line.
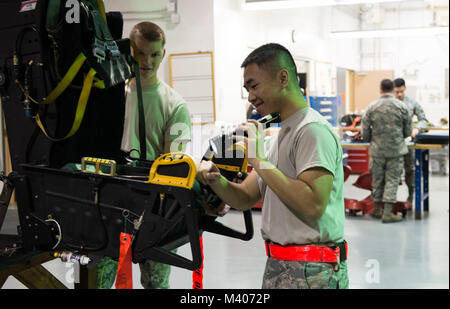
(421, 172)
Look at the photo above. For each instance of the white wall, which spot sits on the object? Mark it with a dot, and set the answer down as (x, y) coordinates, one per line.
(344, 53)
(193, 33)
(237, 32)
(420, 60)
(230, 50)
(223, 27)
(422, 65)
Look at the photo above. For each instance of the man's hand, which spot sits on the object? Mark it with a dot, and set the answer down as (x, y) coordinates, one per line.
(208, 173)
(254, 143)
(221, 211)
(415, 131)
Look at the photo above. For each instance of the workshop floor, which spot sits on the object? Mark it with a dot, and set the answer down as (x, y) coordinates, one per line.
(411, 254)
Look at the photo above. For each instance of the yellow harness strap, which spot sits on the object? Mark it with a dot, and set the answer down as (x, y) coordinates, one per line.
(101, 9)
(81, 107)
(89, 82)
(66, 80)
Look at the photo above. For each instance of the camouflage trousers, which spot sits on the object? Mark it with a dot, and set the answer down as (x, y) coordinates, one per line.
(153, 275)
(386, 173)
(304, 275)
(106, 273)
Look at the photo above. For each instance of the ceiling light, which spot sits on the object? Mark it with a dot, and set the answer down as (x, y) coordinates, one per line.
(289, 4)
(284, 4)
(365, 34)
(349, 2)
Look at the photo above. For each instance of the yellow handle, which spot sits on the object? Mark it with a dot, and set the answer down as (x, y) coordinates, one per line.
(98, 163)
(167, 180)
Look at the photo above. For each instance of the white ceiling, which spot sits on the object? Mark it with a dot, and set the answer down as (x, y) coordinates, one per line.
(435, 3)
(438, 3)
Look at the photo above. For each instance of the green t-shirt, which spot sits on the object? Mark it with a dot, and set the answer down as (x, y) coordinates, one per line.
(167, 119)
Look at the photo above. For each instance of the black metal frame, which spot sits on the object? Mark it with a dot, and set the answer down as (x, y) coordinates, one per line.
(96, 203)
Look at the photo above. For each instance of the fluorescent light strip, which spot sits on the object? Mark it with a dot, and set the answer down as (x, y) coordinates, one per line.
(384, 33)
(289, 4)
(284, 4)
(350, 2)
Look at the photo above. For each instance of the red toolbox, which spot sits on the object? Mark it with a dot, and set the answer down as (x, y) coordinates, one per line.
(358, 160)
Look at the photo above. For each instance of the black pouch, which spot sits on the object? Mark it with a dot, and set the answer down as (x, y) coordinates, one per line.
(84, 55)
(91, 36)
(112, 65)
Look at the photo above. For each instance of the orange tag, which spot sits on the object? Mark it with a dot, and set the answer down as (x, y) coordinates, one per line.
(124, 278)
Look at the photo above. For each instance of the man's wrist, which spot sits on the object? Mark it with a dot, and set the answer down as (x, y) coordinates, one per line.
(221, 183)
(261, 164)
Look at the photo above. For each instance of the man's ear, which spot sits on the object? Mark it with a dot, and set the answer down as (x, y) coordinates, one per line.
(164, 53)
(284, 78)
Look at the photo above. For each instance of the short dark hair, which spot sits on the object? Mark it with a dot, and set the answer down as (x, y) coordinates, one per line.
(151, 32)
(273, 57)
(387, 85)
(399, 82)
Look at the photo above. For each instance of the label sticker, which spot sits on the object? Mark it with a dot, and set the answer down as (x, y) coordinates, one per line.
(28, 6)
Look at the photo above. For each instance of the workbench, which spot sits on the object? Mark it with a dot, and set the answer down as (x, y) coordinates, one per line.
(421, 172)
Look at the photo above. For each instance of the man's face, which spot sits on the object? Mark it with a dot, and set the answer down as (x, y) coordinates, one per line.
(151, 54)
(262, 89)
(399, 92)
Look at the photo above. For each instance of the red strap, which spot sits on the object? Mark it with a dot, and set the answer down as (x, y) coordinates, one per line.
(303, 253)
(124, 278)
(197, 275)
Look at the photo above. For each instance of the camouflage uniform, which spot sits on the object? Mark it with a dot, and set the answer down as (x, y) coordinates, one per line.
(106, 273)
(385, 125)
(153, 275)
(414, 108)
(304, 275)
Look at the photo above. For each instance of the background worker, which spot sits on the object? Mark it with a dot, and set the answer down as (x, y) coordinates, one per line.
(300, 179)
(167, 121)
(385, 125)
(414, 108)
